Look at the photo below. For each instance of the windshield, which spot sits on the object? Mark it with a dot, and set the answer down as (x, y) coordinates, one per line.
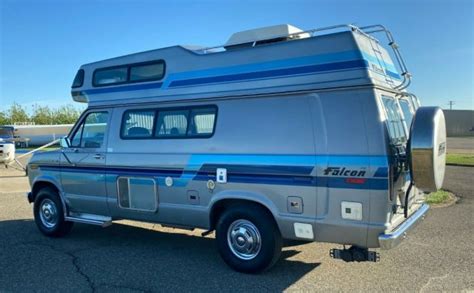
(6, 132)
(394, 121)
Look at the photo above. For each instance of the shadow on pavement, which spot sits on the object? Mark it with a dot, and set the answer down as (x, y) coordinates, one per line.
(124, 257)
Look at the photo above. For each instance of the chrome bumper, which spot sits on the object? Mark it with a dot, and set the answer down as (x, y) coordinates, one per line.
(393, 238)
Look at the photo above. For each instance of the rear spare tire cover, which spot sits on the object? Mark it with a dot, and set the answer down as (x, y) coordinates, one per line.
(427, 148)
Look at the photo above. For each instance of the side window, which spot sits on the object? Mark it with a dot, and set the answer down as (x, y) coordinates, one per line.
(407, 113)
(145, 72)
(91, 132)
(79, 79)
(172, 123)
(138, 124)
(202, 122)
(394, 120)
(108, 76)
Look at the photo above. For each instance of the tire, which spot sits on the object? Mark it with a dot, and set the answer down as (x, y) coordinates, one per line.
(249, 222)
(49, 214)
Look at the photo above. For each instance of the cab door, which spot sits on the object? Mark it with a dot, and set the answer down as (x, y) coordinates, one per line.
(83, 165)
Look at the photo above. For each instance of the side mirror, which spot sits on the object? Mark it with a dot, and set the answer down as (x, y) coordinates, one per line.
(64, 142)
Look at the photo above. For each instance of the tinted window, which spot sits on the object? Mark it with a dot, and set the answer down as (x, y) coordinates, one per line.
(173, 123)
(146, 72)
(91, 133)
(110, 76)
(407, 113)
(202, 121)
(79, 79)
(138, 123)
(394, 120)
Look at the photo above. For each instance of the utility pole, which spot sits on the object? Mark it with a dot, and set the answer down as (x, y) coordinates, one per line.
(451, 103)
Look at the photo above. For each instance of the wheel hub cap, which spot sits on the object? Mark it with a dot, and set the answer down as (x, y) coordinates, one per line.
(48, 213)
(244, 239)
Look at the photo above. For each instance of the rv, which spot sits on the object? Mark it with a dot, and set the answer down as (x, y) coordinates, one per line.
(278, 135)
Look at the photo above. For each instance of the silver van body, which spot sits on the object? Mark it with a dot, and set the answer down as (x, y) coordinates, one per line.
(306, 129)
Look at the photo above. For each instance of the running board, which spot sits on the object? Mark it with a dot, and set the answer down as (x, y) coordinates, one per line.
(91, 219)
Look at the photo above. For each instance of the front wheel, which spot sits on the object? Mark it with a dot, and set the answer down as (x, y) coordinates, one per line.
(49, 214)
(248, 239)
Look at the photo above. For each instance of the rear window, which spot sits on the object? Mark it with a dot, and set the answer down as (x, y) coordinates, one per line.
(407, 112)
(395, 125)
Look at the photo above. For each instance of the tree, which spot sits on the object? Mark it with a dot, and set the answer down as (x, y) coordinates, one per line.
(42, 115)
(17, 114)
(66, 115)
(4, 119)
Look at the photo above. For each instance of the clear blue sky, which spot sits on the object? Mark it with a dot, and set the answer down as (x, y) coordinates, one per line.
(44, 42)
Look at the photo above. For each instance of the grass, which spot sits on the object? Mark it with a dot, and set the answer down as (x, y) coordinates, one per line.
(437, 197)
(460, 159)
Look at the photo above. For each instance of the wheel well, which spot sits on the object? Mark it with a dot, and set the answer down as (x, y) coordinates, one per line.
(40, 185)
(219, 207)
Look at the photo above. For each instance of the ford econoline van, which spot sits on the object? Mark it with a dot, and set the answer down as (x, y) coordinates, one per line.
(280, 134)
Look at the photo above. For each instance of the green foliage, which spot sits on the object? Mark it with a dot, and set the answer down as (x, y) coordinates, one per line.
(40, 115)
(66, 115)
(4, 120)
(17, 113)
(460, 159)
(437, 197)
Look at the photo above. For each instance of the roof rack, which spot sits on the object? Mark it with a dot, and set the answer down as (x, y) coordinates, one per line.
(367, 31)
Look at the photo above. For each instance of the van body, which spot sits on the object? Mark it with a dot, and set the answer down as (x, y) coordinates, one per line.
(278, 135)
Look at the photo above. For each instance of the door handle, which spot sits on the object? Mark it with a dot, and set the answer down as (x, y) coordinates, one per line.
(98, 156)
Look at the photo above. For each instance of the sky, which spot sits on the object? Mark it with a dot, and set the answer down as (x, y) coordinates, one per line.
(43, 43)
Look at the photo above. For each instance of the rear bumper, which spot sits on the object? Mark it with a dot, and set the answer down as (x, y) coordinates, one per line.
(394, 237)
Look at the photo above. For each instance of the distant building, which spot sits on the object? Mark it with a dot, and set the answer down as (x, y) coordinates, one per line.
(459, 122)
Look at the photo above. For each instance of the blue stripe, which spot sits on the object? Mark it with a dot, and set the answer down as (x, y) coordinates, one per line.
(392, 74)
(294, 170)
(375, 60)
(117, 171)
(124, 88)
(272, 73)
(268, 65)
(381, 172)
(317, 181)
(197, 160)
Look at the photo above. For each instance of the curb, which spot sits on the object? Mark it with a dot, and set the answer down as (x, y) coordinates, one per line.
(459, 165)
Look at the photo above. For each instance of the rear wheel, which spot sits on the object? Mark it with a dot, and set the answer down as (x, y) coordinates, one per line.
(248, 239)
(49, 214)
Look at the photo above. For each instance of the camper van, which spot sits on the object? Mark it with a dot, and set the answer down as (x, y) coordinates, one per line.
(279, 135)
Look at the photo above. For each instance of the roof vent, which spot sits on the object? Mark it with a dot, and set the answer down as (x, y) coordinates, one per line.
(264, 35)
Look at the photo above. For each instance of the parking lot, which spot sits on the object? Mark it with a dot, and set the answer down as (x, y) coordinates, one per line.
(131, 256)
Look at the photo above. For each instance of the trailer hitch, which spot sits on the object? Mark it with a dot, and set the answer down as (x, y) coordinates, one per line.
(354, 253)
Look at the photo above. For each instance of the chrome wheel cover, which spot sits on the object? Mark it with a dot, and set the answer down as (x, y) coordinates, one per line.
(48, 213)
(244, 239)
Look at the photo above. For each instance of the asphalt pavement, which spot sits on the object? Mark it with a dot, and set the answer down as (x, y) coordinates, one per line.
(136, 257)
